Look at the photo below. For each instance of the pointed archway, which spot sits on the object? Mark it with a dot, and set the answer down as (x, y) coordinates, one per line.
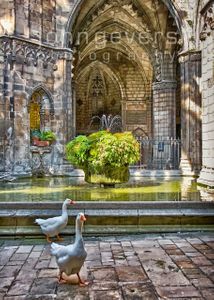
(140, 43)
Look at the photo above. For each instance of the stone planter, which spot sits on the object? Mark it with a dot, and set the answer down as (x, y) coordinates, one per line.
(109, 177)
(42, 143)
(35, 140)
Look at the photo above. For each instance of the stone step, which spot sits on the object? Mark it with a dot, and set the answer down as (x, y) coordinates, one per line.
(112, 217)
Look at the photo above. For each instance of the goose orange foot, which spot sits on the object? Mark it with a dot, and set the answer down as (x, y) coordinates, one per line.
(60, 278)
(82, 283)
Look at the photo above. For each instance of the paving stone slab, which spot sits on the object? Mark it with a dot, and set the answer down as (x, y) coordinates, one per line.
(48, 273)
(130, 274)
(104, 274)
(177, 291)
(104, 286)
(72, 292)
(107, 295)
(5, 283)
(9, 271)
(24, 249)
(208, 270)
(139, 291)
(201, 261)
(208, 293)
(202, 282)
(44, 286)
(20, 287)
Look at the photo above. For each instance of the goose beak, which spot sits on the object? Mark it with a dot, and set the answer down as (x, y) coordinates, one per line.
(72, 202)
(83, 218)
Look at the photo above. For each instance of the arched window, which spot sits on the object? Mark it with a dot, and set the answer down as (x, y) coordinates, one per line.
(41, 111)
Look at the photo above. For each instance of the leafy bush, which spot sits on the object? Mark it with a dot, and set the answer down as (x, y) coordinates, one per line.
(77, 151)
(102, 151)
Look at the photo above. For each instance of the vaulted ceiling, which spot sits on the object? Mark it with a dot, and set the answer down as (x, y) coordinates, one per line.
(133, 28)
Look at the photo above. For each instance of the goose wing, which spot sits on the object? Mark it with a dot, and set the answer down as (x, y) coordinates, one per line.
(49, 222)
(63, 254)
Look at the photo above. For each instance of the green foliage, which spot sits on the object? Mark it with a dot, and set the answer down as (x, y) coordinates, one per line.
(102, 151)
(47, 136)
(77, 151)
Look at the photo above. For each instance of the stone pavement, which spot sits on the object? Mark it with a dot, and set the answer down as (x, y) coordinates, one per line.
(144, 267)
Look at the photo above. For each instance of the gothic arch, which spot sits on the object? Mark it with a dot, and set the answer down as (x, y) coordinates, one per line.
(171, 5)
(42, 88)
(111, 74)
(40, 113)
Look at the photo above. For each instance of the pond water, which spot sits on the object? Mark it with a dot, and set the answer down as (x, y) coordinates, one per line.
(137, 189)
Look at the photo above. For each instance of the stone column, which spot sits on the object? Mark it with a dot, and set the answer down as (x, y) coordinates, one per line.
(7, 108)
(207, 46)
(164, 109)
(2, 112)
(190, 66)
(73, 106)
(164, 122)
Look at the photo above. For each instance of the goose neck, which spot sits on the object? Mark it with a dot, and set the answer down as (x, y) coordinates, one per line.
(78, 233)
(64, 209)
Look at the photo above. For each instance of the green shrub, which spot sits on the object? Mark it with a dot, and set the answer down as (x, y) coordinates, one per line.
(103, 150)
(77, 151)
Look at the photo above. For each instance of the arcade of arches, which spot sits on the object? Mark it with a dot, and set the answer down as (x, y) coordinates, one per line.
(151, 62)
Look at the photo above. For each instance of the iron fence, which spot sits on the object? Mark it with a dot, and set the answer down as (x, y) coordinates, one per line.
(159, 154)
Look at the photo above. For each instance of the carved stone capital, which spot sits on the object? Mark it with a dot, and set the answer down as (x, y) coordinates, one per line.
(164, 85)
(192, 56)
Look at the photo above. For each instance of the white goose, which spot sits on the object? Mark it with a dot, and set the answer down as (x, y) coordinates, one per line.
(52, 226)
(71, 258)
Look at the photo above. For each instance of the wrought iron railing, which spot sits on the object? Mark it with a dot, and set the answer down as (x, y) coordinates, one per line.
(159, 154)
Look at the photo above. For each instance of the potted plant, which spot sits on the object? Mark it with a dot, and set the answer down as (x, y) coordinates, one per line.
(35, 136)
(42, 138)
(104, 156)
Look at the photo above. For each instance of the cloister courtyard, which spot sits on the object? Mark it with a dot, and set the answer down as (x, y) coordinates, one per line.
(107, 140)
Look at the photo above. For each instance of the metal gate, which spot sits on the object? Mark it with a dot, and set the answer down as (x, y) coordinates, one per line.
(159, 154)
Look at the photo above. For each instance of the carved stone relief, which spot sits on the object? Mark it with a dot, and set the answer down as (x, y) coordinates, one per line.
(207, 20)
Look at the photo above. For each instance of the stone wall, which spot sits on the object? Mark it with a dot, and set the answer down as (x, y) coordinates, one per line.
(29, 69)
(207, 46)
(32, 61)
(190, 70)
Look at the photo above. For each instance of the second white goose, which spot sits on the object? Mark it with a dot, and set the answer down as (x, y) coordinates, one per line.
(52, 227)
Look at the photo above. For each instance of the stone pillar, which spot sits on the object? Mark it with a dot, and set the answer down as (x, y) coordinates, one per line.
(7, 108)
(207, 46)
(164, 122)
(2, 112)
(164, 109)
(73, 107)
(190, 66)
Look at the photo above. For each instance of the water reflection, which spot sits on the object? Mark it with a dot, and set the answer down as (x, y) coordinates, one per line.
(137, 189)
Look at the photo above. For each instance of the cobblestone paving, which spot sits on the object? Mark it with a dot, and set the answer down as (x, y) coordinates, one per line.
(129, 267)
